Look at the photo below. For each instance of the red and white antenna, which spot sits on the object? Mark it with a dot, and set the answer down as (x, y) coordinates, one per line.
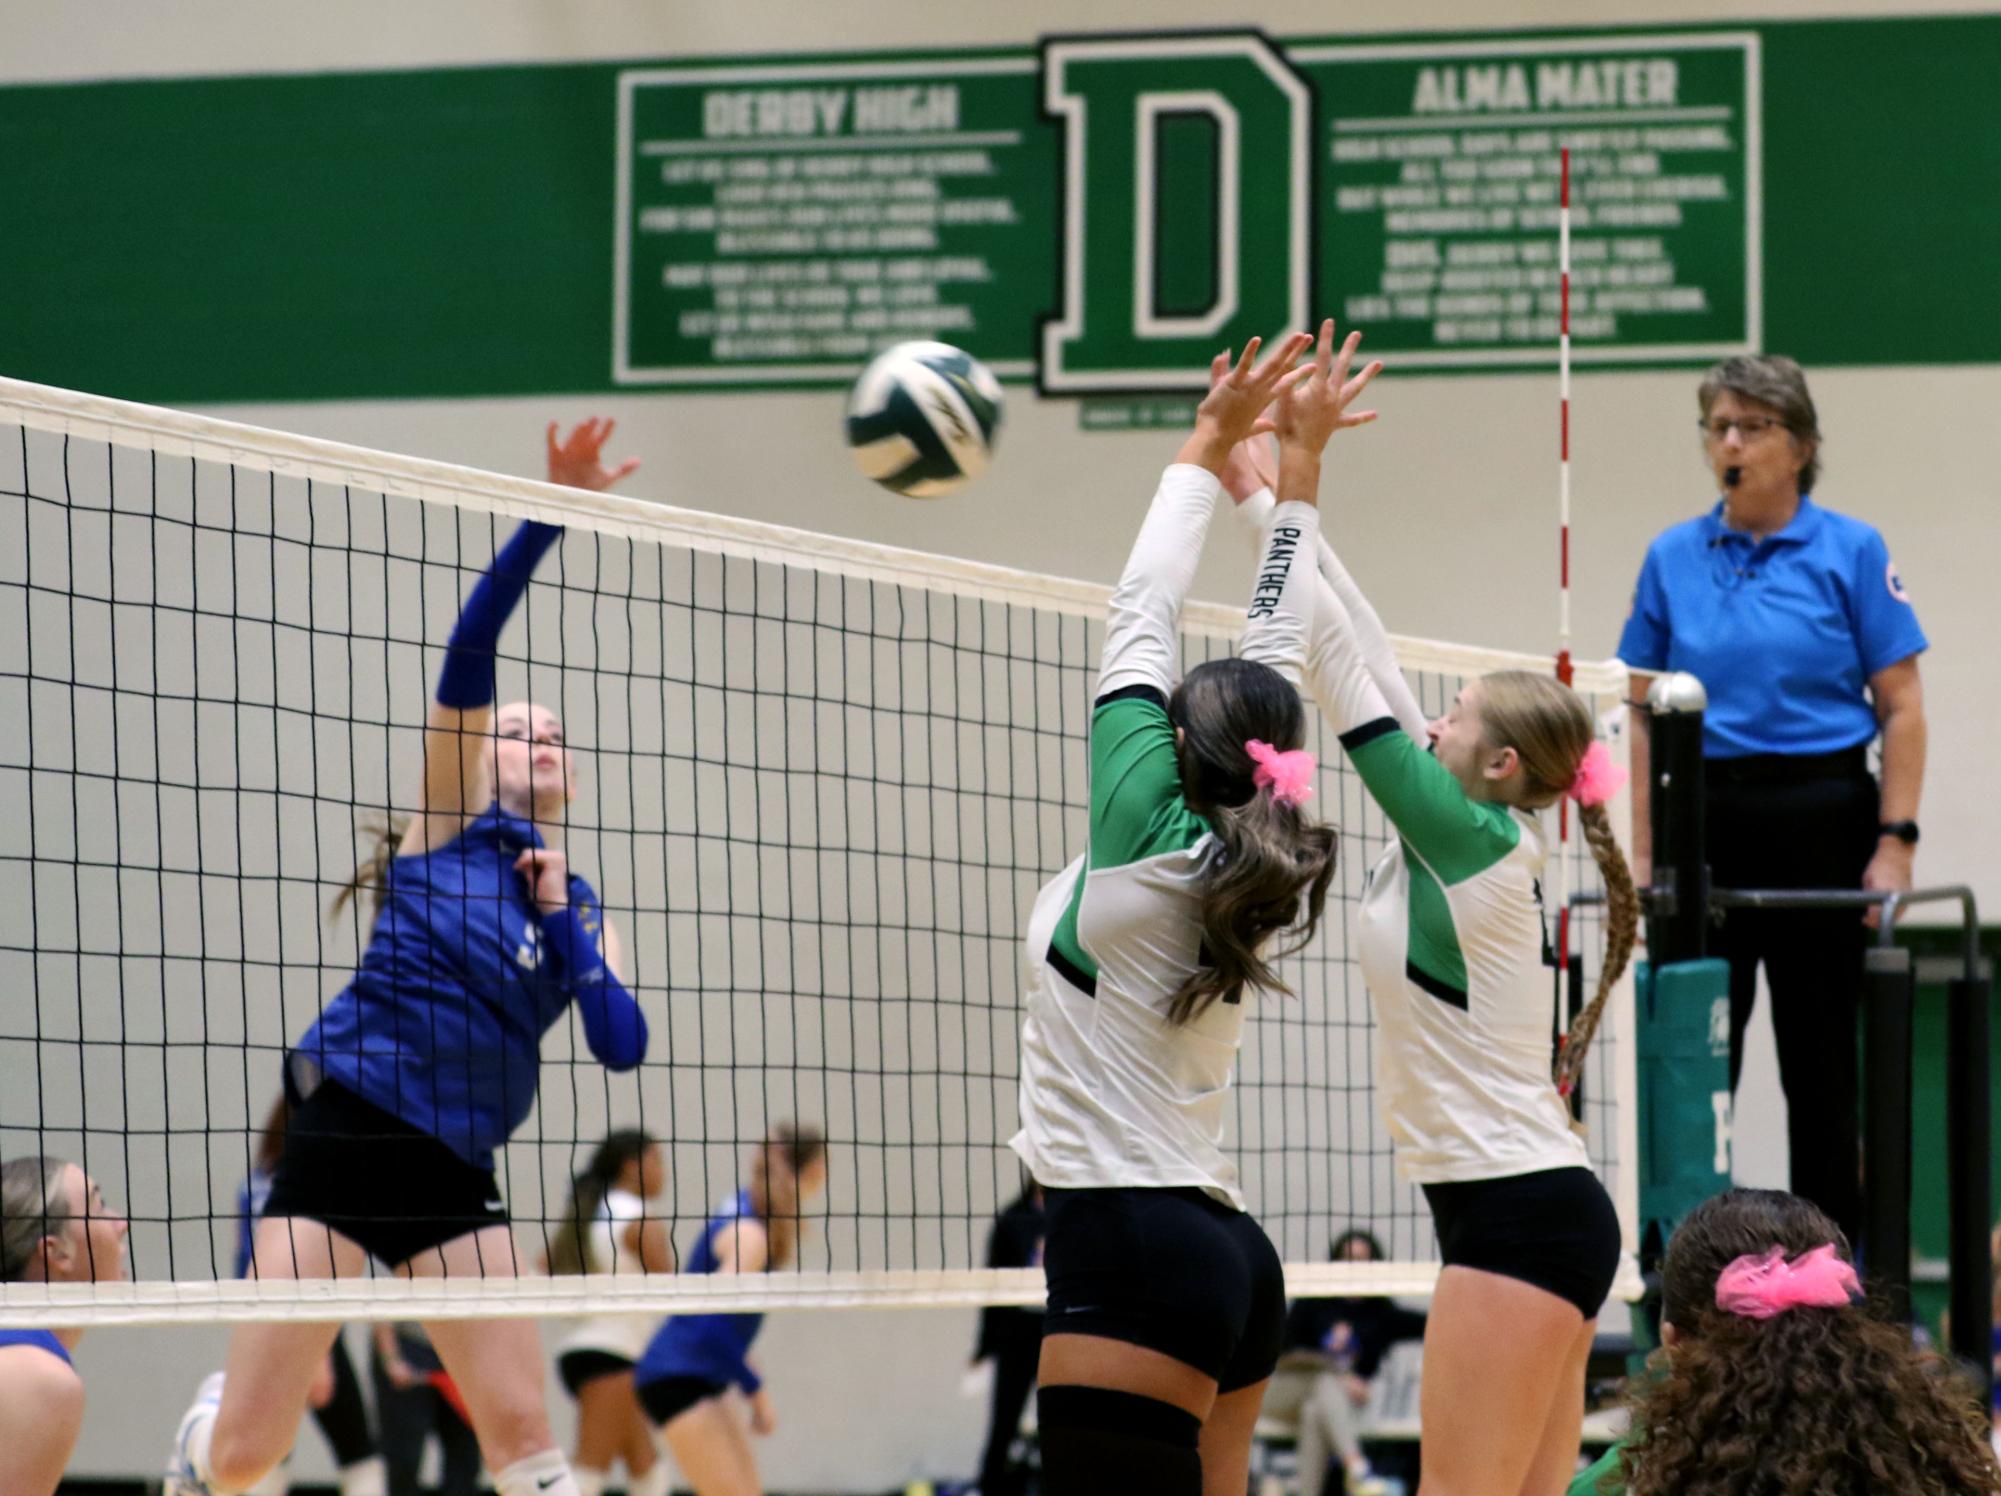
(1561, 883)
(1563, 672)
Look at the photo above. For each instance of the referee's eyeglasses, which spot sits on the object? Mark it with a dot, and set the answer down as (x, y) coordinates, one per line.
(1748, 427)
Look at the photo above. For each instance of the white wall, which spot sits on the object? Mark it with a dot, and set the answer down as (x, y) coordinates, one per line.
(1446, 510)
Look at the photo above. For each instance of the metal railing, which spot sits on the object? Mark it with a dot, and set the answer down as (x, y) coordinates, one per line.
(1681, 906)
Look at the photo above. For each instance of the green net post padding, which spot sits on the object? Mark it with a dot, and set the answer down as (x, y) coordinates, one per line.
(1682, 1036)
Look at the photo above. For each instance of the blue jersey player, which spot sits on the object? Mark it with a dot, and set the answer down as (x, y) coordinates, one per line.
(683, 1379)
(424, 1064)
(54, 1228)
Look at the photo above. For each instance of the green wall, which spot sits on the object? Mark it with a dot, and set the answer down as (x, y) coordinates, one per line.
(450, 232)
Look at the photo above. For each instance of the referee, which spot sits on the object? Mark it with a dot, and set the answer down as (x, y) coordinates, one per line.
(1794, 619)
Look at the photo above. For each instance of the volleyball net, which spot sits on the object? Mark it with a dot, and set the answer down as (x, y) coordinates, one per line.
(822, 783)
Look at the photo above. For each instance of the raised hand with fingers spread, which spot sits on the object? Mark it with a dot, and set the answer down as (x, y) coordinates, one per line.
(577, 460)
(1309, 409)
(1238, 396)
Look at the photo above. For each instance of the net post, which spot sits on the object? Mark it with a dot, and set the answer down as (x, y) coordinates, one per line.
(1888, 991)
(1969, 1153)
(1678, 913)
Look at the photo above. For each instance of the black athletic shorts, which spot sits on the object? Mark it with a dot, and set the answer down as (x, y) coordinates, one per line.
(374, 1178)
(581, 1367)
(1170, 1269)
(670, 1397)
(1555, 1229)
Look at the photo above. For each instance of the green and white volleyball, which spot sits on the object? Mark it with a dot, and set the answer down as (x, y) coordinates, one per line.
(923, 418)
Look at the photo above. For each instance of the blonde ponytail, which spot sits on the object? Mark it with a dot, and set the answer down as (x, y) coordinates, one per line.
(384, 834)
(1549, 727)
(1622, 928)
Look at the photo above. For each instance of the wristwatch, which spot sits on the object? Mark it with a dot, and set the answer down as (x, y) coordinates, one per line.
(1904, 831)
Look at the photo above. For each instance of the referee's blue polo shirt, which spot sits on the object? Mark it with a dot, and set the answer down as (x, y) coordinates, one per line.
(1783, 632)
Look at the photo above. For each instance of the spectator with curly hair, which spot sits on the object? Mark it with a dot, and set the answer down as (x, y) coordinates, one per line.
(1776, 1376)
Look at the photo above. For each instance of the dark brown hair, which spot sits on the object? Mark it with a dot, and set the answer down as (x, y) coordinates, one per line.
(570, 1249)
(1272, 867)
(271, 1137)
(786, 1152)
(1549, 727)
(1337, 1250)
(1819, 1402)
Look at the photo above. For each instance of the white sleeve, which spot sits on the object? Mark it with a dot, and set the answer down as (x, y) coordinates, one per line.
(1338, 595)
(1374, 643)
(1279, 623)
(1142, 643)
(1340, 678)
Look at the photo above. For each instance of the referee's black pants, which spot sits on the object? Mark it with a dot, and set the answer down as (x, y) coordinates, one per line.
(1800, 823)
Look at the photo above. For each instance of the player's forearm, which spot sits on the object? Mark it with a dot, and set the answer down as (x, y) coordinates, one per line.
(1142, 646)
(614, 1027)
(1372, 641)
(467, 678)
(1279, 621)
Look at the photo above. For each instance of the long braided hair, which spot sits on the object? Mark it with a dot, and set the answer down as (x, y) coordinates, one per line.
(1550, 729)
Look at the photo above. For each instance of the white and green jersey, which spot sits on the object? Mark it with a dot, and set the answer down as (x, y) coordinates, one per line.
(1112, 1092)
(1450, 932)
(1451, 942)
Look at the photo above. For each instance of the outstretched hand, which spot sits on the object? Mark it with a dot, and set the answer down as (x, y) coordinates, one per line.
(1311, 408)
(577, 461)
(1238, 394)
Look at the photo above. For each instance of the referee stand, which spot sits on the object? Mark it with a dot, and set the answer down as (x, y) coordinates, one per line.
(1683, 1047)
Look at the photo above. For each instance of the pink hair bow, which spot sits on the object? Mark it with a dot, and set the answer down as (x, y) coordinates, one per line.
(1290, 774)
(1760, 1287)
(1598, 778)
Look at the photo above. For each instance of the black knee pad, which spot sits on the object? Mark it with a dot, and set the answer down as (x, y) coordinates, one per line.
(1097, 1442)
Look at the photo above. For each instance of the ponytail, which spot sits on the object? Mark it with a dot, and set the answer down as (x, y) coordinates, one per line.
(570, 1251)
(1270, 869)
(1622, 928)
(382, 836)
(1549, 727)
(1270, 860)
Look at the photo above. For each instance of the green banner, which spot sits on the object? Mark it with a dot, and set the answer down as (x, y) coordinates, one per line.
(781, 223)
(1446, 166)
(1096, 214)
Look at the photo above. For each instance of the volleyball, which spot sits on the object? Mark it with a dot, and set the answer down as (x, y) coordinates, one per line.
(923, 417)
